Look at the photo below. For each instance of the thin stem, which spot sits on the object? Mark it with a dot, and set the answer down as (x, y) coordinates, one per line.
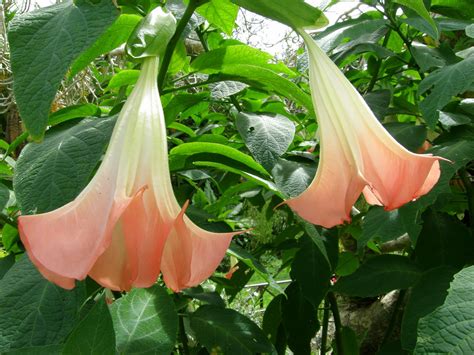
(337, 322)
(165, 63)
(184, 338)
(324, 335)
(378, 64)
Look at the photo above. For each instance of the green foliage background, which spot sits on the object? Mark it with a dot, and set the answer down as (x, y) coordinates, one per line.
(412, 60)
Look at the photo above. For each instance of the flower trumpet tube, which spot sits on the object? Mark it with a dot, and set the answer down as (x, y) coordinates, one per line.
(357, 154)
(126, 226)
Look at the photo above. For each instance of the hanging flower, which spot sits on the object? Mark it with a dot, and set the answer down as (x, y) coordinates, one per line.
(357, 153)
(126, 226)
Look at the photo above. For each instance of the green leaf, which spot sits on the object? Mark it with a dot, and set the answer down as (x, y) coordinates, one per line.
(221, 13)
(225, 331)
(218, 60)
(180, 103)
(448, 330)
(266, 136)
(419, 7)
(6, 263)
(38, 350)
(113, 37)
(43, 45)
(312, 271)
(407, 134)
(145, 322)
(52, 173)
(4, 196)
(453, 8)
(379, 275)
(293, 13)
(124, 78)
(444, 84)
(249, 260)
(34, 311)
(385, 226)
(251, 66)
(350, 341)
(272, 323)
(470, 31)
(72, 112)
(220, 149)
(336, 34)
(299, 319)
(427, 57)
(9, 236)
(449, 119)
(458, 147)
(348, 263)
(379, 102)
(293, 178)
(267, 80)
(225, 89)
(444, 240)
(94, 334)
(427, 294)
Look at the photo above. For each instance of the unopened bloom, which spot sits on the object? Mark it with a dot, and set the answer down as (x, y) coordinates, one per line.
(126, 226)
(357, 154)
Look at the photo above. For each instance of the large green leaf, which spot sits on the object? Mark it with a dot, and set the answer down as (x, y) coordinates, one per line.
(419, 7)
(444, 84)
(448, 330)
(428, 293)
(299, 320)
(251, 66)
(458, 147)
(334, 35)
(72, 112)
(409, 135)
(291, 177)
(444, 240)
(219, 59)
(112, 38)
(145, 322)
(293, 13)
(52, 173)
(272, 324)
(220, 149)
(43, 45)
(225, 331)
(94, 334)
(379, 275)
(312, 271)
(388, 225)
(267, 80)
(34, 311)
(266, 136)
(221, 13)
(453, 8)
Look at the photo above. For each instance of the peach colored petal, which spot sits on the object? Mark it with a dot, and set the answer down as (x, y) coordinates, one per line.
(357, 153)
(191, 254)
(334, 190)
(67, 241)
(126, 224)
(59, 280)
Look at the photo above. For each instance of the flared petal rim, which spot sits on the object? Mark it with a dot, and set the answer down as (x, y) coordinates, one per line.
(357, 154)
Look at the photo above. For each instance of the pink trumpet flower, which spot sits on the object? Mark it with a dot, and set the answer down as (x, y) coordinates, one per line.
(126, 226)
(357, 154)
